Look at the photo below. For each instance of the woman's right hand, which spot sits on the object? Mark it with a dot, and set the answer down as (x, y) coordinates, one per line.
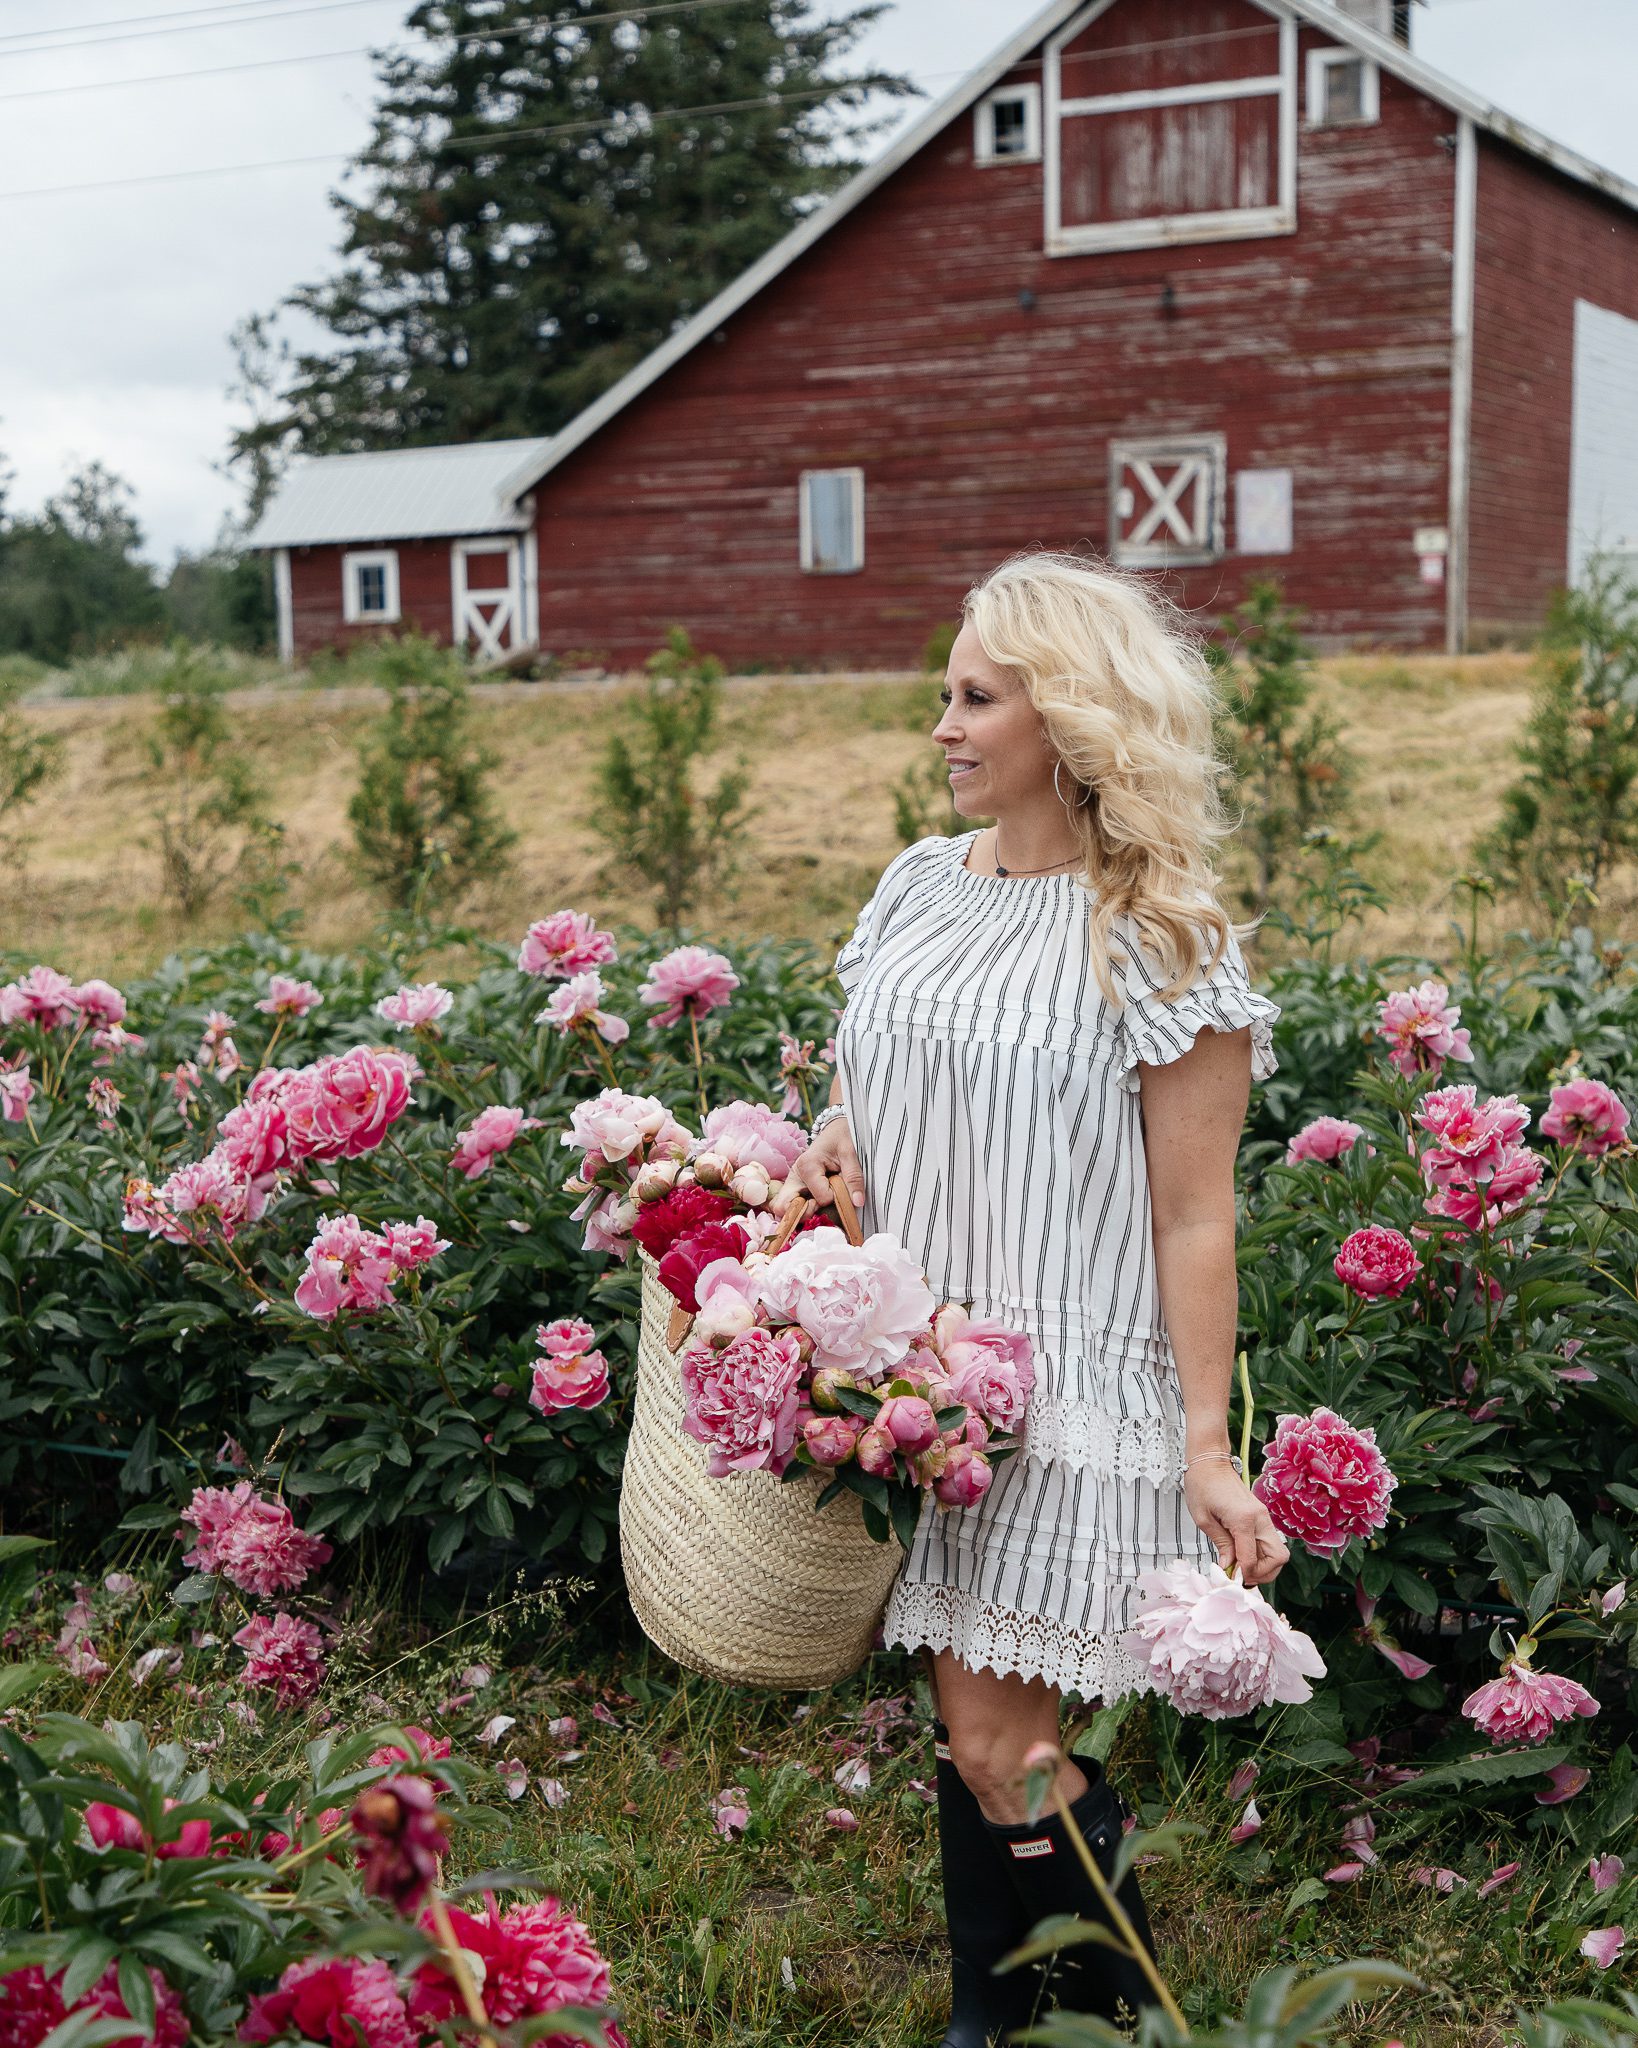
(831, 1152)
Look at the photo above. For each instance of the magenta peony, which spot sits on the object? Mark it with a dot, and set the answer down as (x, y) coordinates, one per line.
(688, 981)
(284, 1656)
(1376, 1262)
(409, 1245)
(417, 1006)
(742, 1402)
(863, 1305)
(1420, 1027)
(571, 1374)
(687, 1213)
(31, 2005)
(251, 1541)
(536, 1959)
(1324, 1140)
(348, 1267)
(493, 1132)
(344, 2001)
(1213, 1646)
(1586, 1117)
(579, 1000)
(1522, 1705)
(288, 997)
(1323, 1481)
(565, 944)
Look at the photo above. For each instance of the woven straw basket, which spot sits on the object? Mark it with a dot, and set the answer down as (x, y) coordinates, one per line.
(740, 1577)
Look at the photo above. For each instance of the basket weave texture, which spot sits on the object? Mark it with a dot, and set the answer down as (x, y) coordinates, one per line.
(740, 1577)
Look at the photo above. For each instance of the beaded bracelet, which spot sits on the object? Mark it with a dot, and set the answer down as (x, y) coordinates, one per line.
(827, 1115)
(1232, 1456)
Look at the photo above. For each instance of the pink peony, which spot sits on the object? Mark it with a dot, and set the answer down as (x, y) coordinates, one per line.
(909, 1421)
(565, 944)
(1420, 1027)
(409, 1245)
(1566, 1780)
(742, 1402)
(1324, 1140)
(283, 1655)
(863, 1305)
(689, 980)
(16, 1092)
(100, 1002)
(31, 2006)
(251, 1541)
(493, 1133)
(401, 1839)
(429, 1748)
(183, 1209)
(417, 1006)
(570, 1374)
(1470, 1137)
(832, 1439)
(348, 1267)
(1603, 1945)
(536, 1959)
(751, 1134)
(990, 1368)
(254, 1139)
(1586, 1117)
(1524, 1705)
(113, 1039)
(579, 1001)
(112, 1827)
(1323, 1481)
(1475, 1203)
(288, 997)
(346, 2001)
(342, 1106)
(1377, 1263)
(615, 1128)
(731, 1811)
(1213, 1646)
(42, 996)
(966, 1477)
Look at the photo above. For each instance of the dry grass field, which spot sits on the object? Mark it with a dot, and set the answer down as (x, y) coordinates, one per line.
(1434, 737)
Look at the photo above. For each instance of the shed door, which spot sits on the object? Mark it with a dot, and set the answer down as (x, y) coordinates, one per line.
(1604, 443)
(488, 597)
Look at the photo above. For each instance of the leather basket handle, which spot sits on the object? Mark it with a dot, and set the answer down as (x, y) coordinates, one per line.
(796, 1213)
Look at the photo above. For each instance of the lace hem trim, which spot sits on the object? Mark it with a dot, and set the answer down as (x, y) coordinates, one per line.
(1085, 1436)
(1001, 1639)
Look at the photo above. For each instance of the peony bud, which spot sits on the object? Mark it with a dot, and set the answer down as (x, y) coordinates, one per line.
(826, 1381)
(910, 1421)
(655, 1181)
(711, 1170)
(874, 1451)
(832, 1439)
(725, 1316)
(966, 1479)
(752, 1185)
(930, 1464)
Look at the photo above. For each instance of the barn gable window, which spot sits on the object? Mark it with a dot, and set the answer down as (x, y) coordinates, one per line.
(369, 587)
(831, 515)
(1149, 142)
(1344, 89)
(1007, 126)
(1166, 501)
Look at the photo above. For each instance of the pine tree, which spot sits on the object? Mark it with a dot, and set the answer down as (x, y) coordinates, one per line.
(538, 216)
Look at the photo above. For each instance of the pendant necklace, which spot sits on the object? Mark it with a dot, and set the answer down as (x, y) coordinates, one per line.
(1000, 870)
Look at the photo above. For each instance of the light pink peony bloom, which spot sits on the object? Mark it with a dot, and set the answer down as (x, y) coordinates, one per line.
(254, 1139)
(1522, 1705)
(100, 1002)
(990, 1368)
(751, 1134)
(966, 1478)
(338, 2001)
(104, 1098)
(564, 944)
(184, 1208)
(184, 1078)
(283, 1655)
(1470, 1137)
(113, 1039)
(1213, 1646)
(1586, 1117)
(1567, 1781)
(1323, 1481)
(289, 997)
(731, 1812)
(16, 1092)
(1603, 1945)
(862, 1305)
(1324, 1141)
(348, 1267)
(615, 1128)
(1420, 1027)
(1376, 1262)
(492, 1133)
(409, 1245)
(1606, 1872)
(579, 1001)
(42, 996)
(688, 981)
(417, 1006)
(743, 1402)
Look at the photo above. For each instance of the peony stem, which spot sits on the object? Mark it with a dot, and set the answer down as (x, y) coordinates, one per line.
(1245, 1426)
(438, 1912)
(1117, 1913)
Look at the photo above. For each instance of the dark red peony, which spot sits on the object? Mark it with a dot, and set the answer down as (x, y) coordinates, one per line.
(689, 1256)
(659, 1224)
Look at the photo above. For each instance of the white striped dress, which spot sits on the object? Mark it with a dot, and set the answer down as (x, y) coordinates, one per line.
(992, 1095)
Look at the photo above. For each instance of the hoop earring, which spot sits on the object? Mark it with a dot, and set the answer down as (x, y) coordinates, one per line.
(1085, 796)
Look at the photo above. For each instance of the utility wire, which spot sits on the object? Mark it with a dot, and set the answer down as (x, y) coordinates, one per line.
(142, 34)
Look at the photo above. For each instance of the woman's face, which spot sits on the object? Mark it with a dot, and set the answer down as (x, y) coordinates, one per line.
(989, 721)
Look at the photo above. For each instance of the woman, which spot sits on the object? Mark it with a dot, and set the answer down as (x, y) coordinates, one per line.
(1042, 1073)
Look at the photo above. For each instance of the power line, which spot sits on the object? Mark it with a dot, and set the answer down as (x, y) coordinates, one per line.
(142, 35)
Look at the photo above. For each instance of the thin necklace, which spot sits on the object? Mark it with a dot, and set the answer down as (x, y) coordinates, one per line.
(1000, 870)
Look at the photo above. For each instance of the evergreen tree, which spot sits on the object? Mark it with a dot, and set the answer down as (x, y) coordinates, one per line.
(70, 579)
(539, 216)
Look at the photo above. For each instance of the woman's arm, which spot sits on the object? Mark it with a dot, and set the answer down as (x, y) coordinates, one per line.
(1193, 1111)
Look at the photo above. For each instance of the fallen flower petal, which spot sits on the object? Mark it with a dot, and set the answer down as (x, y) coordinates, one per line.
(1244, 1778)
(1504, 1875)
(1605, 1872)
(492, 1731)
(553, 1791)
(1248, 1823)
(1345, 1873)
(840, 1817)
(1568, 1780)
(1603, 1945)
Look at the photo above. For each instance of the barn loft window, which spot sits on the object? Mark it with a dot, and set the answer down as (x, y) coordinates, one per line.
(1166, 501)
(1147, 142)
(369, 587)
(1007, 126)
(1344, 89)
(831, 505)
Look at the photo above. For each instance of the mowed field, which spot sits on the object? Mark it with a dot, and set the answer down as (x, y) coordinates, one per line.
(1434, 737)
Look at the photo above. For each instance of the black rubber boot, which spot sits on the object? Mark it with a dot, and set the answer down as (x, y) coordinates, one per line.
(1049, 1877)
(985, 1915)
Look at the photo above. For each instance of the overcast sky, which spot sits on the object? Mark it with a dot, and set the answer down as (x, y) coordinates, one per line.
(118, 299)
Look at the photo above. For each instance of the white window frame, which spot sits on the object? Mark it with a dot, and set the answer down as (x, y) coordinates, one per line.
(984, 125)
(1370, 89)
(1150, 553)
(805, 522)
(352, 612)
(1239, 223)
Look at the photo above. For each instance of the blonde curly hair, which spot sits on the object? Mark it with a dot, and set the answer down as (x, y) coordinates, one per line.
(1127, 702)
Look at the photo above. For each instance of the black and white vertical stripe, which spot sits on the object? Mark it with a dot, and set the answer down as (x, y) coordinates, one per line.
(992, 1094)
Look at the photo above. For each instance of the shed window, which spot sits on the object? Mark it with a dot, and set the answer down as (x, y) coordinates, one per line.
(1166, 501)
(369, 587)
(832, 521)
(1008, 126)
(1344, 89)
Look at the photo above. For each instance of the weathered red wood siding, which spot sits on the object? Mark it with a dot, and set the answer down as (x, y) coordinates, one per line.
(898, 343)
(316, 597)
(1543, 242)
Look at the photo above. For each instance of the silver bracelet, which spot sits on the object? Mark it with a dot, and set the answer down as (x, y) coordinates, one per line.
(1232, 1456)
(827, 1115)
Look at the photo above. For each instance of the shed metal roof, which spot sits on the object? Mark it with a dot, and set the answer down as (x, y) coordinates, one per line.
(399, 494)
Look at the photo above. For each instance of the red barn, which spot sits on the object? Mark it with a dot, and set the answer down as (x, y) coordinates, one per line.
(1225, 288)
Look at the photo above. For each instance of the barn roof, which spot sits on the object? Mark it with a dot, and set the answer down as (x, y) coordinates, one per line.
(1390, 55)
(399, 494)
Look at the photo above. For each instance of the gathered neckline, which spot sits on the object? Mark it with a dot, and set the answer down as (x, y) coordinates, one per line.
(963, 844)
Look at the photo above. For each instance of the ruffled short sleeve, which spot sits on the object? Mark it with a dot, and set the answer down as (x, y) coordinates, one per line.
(1157, 1033)
(850, 961)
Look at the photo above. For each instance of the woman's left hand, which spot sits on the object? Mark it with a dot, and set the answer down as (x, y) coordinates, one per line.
(1236, 1521)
